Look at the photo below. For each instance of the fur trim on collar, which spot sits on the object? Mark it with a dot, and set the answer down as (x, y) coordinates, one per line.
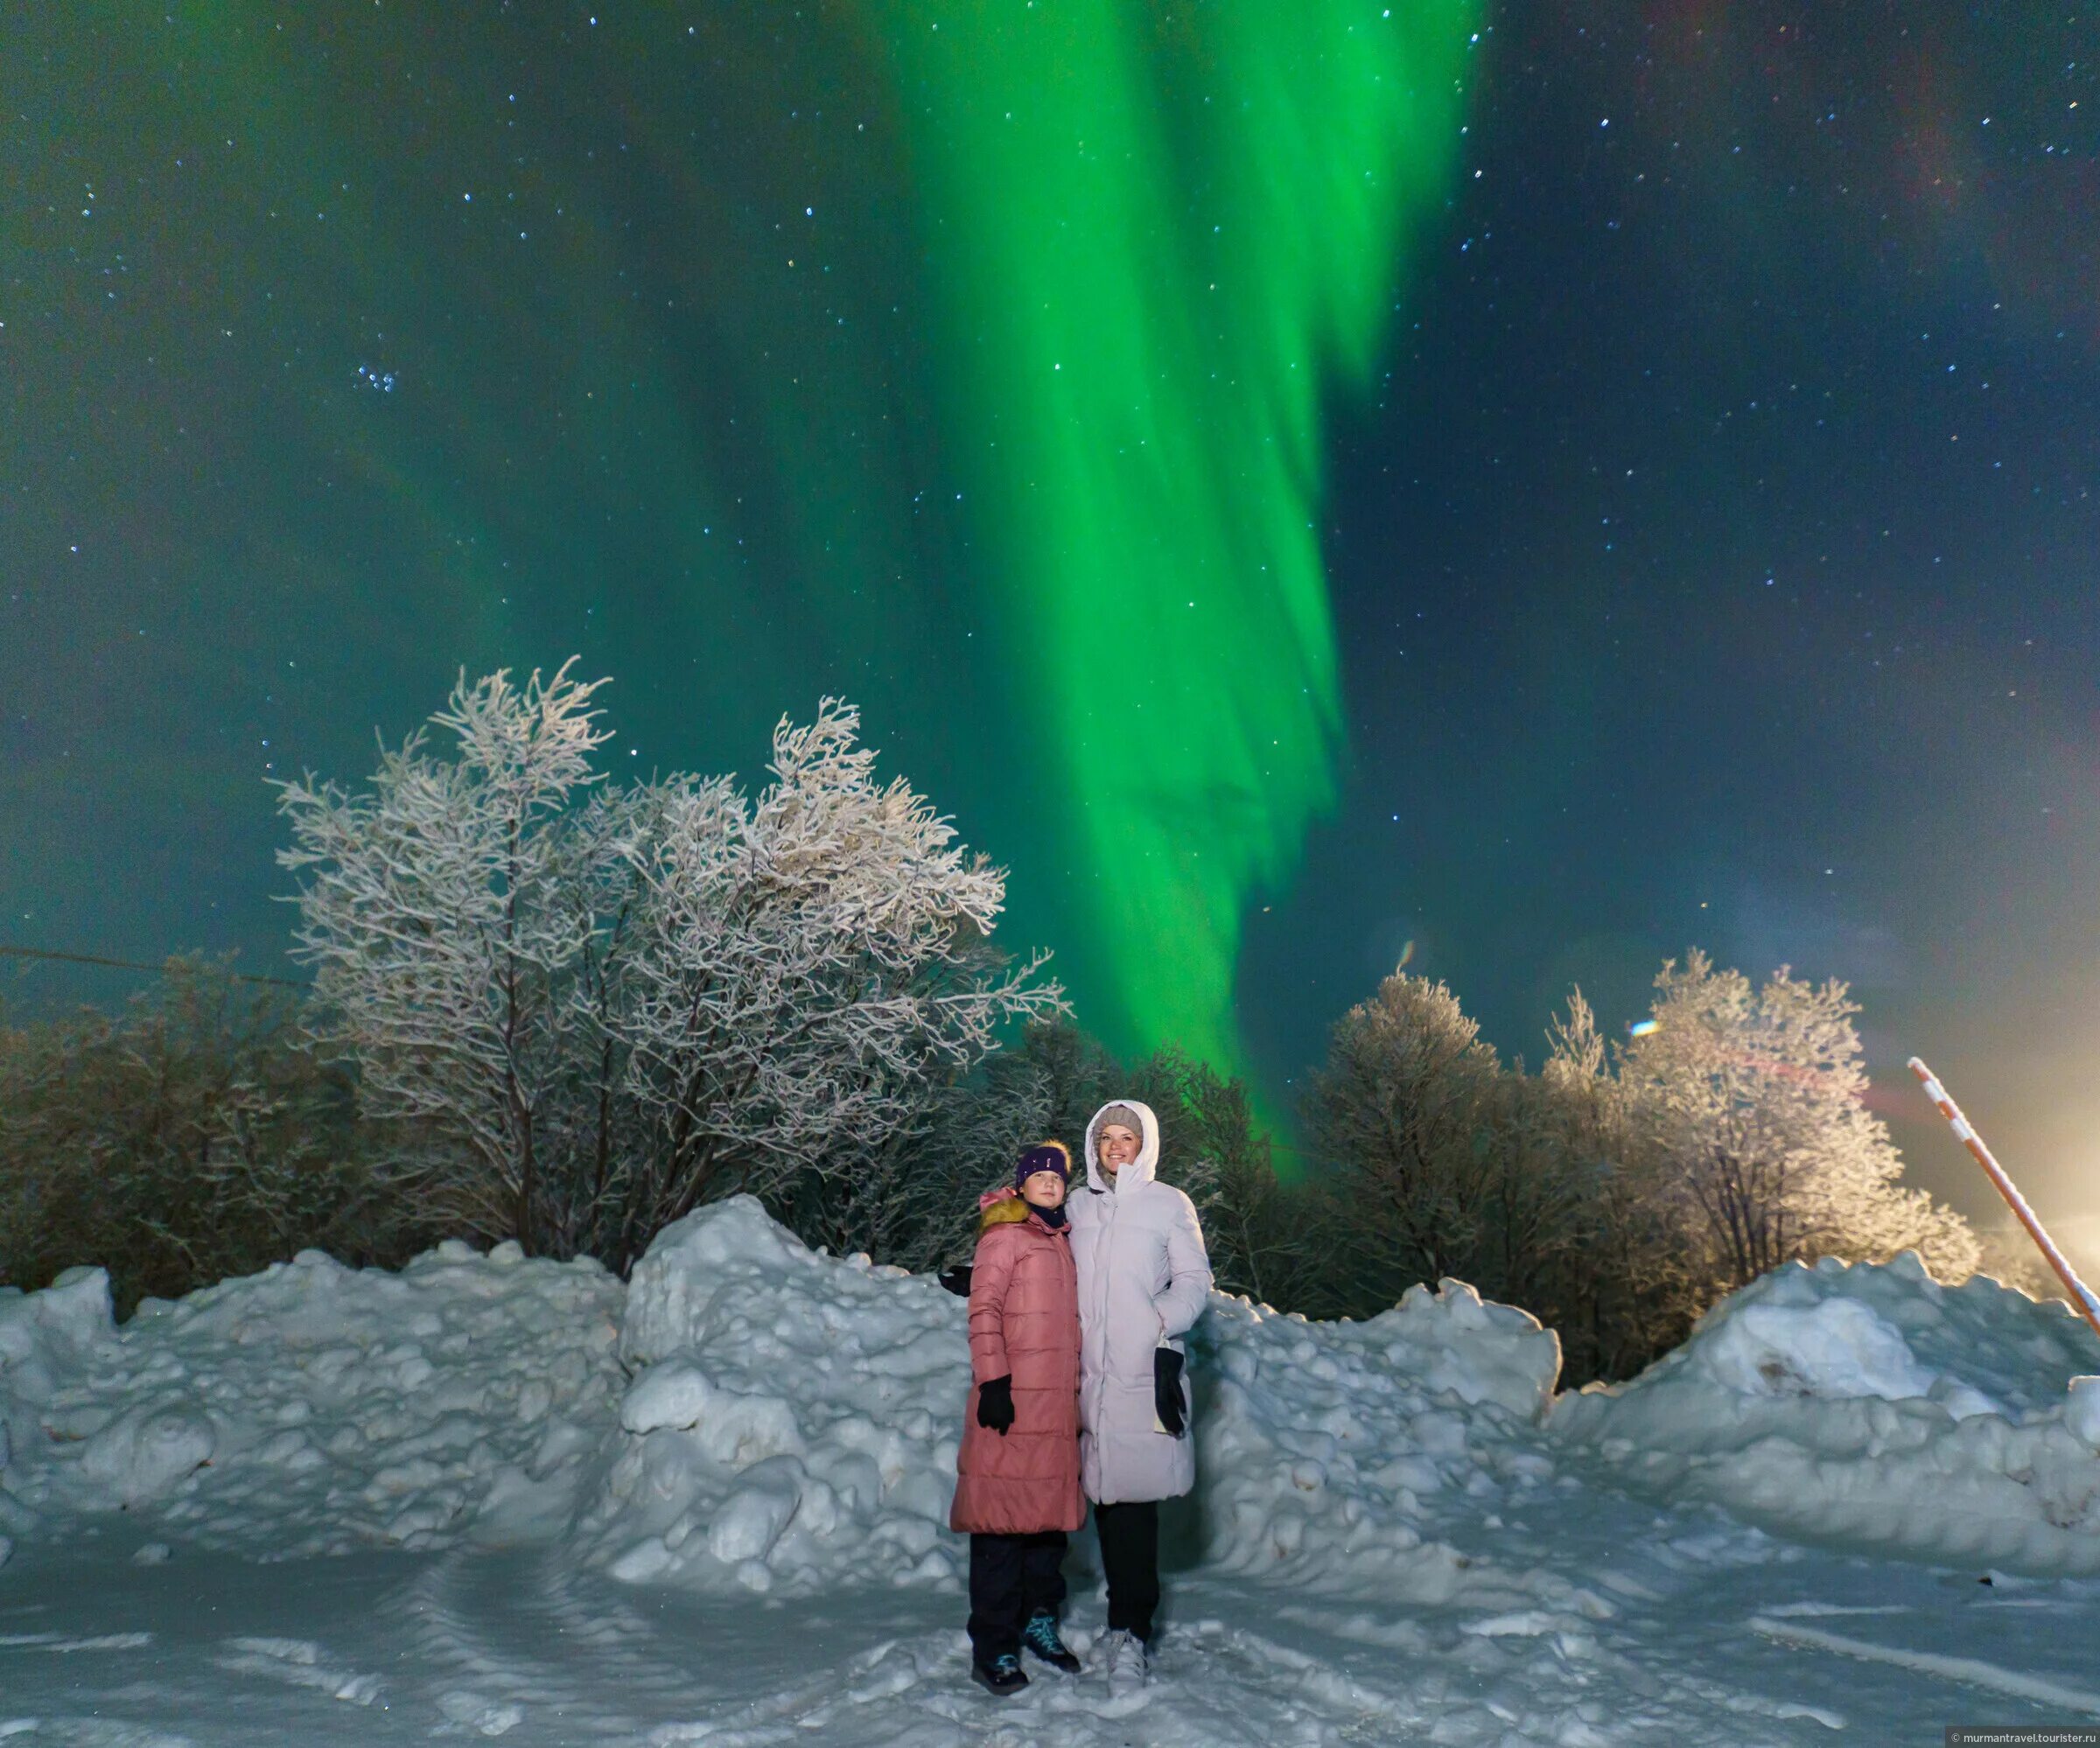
(1002, 1206)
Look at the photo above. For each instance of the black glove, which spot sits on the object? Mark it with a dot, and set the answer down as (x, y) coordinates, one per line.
(1166, 1390)
(956, 1280)
(995, 1404)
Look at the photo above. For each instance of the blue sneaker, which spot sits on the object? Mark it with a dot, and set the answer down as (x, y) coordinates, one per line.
(1041, 1637)
(1002, 1677)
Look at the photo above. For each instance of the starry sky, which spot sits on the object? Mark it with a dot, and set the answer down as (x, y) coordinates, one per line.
(1528, 487)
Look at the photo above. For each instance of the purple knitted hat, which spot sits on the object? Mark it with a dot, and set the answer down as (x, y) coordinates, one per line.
(1045, 1155)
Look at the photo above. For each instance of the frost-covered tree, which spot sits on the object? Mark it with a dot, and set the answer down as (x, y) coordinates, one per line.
(807, 963)
(1751, 1105)
(1400, 1110)
(451, 912)
(621, 1002)
(2007, 1255)
(1441, 1161)
(1620, 1289)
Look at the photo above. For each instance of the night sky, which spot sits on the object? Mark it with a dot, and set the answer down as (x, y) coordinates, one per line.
(1550, 484)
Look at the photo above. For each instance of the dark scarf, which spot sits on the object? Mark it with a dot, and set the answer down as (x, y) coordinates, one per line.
(1052, 1218)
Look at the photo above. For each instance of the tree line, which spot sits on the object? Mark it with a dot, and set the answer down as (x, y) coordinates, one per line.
(553, 1008)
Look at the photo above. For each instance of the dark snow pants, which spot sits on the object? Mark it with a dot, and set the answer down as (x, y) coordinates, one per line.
(1129, 1555)
(1011, 1578)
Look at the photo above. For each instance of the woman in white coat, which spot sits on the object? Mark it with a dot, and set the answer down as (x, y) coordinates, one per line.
(1144, 1280)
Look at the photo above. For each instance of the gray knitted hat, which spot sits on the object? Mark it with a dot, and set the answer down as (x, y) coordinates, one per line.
(1124, 1116)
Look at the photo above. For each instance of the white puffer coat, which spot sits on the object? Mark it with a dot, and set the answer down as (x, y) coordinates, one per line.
(1143, 1279)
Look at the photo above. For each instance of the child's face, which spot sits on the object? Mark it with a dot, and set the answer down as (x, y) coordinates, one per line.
(1043, 1190)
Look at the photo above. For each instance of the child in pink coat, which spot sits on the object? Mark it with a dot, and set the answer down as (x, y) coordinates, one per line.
(1017, 1487)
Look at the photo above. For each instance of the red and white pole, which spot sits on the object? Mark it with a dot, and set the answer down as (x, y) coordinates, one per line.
(1966, 1133)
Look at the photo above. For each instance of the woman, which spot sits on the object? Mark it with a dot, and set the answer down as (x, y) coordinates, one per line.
(1017, 1486)
(1144, 1280)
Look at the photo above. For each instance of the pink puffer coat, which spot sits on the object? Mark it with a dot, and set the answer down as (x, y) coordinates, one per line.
(1024, 1323)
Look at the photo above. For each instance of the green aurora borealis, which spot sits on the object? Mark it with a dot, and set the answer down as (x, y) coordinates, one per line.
(968, 361)
(1166, 235)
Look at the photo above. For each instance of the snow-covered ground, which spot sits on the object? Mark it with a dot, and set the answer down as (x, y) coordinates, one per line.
(492, 1496)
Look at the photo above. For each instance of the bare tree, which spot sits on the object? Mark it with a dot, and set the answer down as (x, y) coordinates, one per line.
(188, 1139)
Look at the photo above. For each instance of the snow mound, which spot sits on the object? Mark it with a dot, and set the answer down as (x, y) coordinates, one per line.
(745, 1416)
(793, 1424)
(43, 1338)
(1870, 1407)
(312, 1408)
(792, 1419)
(1329, 1454)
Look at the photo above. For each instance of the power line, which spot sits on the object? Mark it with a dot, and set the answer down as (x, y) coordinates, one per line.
(133, 965)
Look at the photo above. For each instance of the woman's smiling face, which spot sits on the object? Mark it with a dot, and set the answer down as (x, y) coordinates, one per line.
(1115, 1146)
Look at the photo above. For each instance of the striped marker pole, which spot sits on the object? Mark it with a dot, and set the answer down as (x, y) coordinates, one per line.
(1968, 1137)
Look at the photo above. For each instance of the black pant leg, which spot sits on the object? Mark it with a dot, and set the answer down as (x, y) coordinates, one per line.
(995, 1596)
(1129, 1555)
(1042, 1572)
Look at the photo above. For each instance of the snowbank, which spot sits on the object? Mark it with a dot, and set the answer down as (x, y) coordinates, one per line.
(1329, 1454)
(1871, 1407)
(792, 1419)
(312, 1408)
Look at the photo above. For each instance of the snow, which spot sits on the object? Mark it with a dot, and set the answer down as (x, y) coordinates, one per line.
(1870, 1408)
(312, 1408)
(792, 1418)
(1334, 1453)
(43, 1338)
(2082, 1412)
(709, 1506)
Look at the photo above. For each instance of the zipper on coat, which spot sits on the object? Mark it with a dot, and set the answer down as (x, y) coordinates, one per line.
(1107, 1251)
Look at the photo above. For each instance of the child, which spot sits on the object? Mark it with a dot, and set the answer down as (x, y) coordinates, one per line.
(1017, 1489)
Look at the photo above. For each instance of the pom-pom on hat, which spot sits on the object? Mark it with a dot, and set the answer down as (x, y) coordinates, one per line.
(1045, 1155)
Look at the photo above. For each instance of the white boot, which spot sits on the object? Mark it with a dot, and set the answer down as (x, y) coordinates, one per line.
(1123, 1655)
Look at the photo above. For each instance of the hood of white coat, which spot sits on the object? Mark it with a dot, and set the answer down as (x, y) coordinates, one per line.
(1140, 1170)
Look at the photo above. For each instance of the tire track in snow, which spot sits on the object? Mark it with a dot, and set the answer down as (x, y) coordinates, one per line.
(523, 1638)
(298, 1662)
(86, 1732)
(1972, 1671)
(60, 1641)
(455, 1630)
